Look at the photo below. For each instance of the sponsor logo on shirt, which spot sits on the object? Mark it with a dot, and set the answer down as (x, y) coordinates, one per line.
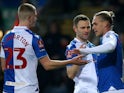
(69, 54)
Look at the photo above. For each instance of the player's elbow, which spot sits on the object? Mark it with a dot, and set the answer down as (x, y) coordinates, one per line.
(47, 68)
(50, 66)
(3, 68)
(111, 47)
(46, 63)
(70, 76)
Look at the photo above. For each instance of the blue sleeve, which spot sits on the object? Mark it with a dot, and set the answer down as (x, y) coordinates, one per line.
(38, 47)
(68, 54)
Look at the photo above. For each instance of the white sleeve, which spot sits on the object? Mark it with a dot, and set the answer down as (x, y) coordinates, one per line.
(2, 52)
(108, 45)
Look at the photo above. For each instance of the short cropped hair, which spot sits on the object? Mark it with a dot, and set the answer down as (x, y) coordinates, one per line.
(25, 10)
(106, 16)
(79, 18)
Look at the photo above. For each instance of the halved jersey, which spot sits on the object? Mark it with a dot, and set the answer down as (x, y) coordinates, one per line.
(21, 48)
(86, 78)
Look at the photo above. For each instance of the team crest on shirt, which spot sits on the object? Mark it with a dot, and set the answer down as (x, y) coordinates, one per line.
(69, 54)
(40, 44)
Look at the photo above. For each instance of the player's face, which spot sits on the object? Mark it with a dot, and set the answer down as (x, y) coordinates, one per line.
(82, 30)
(98, 26)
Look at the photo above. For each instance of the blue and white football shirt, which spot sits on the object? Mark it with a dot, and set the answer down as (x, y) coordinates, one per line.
(21, 48)
(110, 65)
(86, 78)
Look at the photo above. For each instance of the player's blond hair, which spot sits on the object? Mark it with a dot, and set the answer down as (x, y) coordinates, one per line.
(106, 16)
(25, 10)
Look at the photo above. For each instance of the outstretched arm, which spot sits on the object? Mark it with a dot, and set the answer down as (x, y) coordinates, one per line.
(49, 64)
(107, 47)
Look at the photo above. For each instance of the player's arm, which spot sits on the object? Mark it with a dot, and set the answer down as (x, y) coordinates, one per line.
(2, 59)
(108, 46)
(2, 63)
(72, 71)
(49, 64)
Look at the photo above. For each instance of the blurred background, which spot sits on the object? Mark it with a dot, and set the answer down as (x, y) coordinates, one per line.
(54, 25)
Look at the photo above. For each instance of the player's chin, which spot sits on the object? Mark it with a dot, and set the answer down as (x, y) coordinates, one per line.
(96, 34)
(86, 37)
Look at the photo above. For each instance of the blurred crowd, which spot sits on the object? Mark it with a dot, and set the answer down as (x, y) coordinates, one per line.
(54, 24)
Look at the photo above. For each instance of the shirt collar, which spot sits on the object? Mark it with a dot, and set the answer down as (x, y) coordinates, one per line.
(18, 27)
(109, 32)
(77, 40)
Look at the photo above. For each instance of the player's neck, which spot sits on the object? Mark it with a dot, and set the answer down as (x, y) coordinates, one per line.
(106, 30)
(82, 40)
(23, 24)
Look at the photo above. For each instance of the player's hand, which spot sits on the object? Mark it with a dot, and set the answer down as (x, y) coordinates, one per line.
(78, 60)
(75, 51)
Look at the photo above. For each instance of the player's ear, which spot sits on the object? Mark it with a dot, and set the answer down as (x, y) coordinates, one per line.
(74, 28)
(29, 18)
(108, 24)
(105, 23)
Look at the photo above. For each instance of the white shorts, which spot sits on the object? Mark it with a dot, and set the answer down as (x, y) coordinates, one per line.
(85, 90)
(27, 89)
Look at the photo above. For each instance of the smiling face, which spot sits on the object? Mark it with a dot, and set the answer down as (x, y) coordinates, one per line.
(82, 30)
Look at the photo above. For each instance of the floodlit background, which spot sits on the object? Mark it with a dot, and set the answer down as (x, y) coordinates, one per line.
(54, 25)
